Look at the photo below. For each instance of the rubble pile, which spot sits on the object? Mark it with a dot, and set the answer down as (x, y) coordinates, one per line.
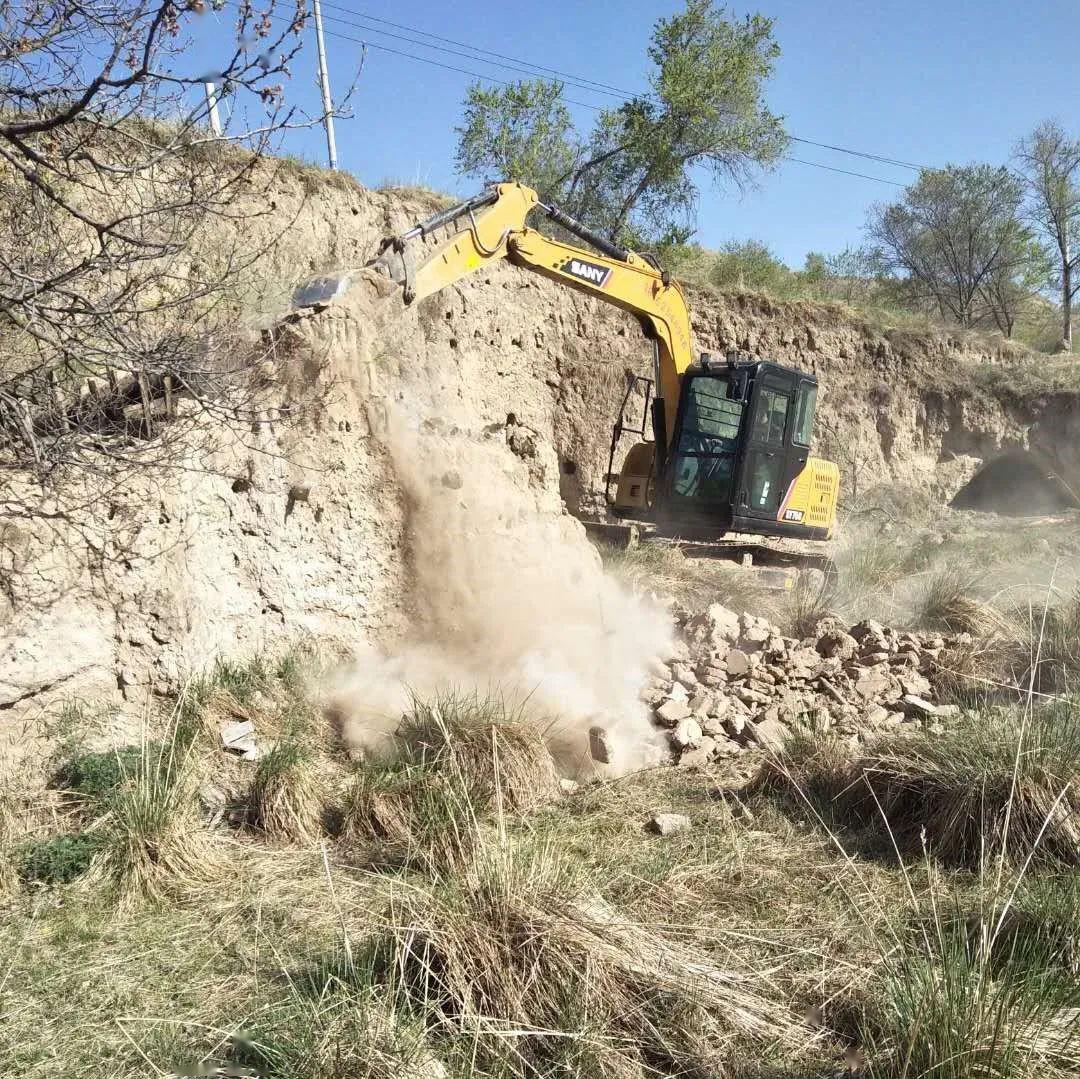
(735, 681)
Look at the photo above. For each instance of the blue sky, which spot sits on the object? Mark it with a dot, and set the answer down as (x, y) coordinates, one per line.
(924, 81)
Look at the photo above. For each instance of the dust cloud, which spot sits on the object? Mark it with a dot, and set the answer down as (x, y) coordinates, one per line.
(507, 597)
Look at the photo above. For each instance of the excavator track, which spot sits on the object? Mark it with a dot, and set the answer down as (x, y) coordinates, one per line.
(777, 562)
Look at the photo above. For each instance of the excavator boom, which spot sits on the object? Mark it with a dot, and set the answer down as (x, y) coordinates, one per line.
(730, 445)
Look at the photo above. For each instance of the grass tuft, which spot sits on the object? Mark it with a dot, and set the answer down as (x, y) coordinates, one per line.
(999, 783)
(950, 1011)
(543, 977)
(491, 747)
(151, 841)
(287, 795)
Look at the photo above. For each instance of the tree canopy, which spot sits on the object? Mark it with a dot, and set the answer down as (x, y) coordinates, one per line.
(632, 176)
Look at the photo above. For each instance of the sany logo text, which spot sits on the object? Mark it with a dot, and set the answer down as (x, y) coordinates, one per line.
(587, 271)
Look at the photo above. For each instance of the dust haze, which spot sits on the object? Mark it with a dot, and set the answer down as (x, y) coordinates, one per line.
(507, 597)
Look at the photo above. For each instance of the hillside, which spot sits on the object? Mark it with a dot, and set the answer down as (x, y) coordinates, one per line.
(299, 528)
(337, 749)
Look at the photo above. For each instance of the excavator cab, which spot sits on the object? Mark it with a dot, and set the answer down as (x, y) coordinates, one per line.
(739, 459)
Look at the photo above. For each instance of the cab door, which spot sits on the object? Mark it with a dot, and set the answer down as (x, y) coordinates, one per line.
(766, 467)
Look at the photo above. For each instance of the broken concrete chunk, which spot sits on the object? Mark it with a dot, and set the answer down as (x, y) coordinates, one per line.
(599, 745)
(239, 737)
(669, 824)
(670, 712)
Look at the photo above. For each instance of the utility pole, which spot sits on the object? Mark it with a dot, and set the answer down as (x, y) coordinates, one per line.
(324, 85)
(211, 105)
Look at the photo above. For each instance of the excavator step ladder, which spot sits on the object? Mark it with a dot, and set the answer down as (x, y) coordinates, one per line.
(634, 383)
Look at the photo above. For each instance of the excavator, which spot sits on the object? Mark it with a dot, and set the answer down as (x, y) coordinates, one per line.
(722, 444)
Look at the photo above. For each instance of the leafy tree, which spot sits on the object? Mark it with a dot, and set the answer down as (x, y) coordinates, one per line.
(1050, 165)
(953, 232)
(524, 130)
(749, 264)
(630, 177)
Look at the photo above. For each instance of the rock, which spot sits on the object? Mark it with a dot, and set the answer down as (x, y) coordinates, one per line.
(670, 712)
(737, 663)
(701, 704)
(659, 669)
(872, 682)
(868, 628)
(915, 684)
(915, 705)
(875, 716)
(569, 785)
(871, 659)
(770, 734)
(677, 692)
(684, 675)
(714, 676)
(735, 724)
(698, 756)
(687, 734)
(947, 711)
(654, 692)
(667, 824)
(600, 748)
(837, 645)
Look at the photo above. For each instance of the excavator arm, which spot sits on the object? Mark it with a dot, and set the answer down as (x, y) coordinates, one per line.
(490, 227)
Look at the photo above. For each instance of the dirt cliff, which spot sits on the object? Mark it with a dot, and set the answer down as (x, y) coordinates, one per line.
(300, 528)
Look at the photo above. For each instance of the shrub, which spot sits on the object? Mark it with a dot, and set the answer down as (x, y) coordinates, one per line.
(96, 775)
(57, 860)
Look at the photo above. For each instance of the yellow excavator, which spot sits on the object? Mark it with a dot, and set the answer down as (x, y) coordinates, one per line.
(723, 444)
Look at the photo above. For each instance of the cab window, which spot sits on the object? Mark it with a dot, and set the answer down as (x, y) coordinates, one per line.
(771, 417)
(804, 413)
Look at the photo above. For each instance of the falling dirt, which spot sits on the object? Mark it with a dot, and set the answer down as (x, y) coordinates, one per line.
(507, 597)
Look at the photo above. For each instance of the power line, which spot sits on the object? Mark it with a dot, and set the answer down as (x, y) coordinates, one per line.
(517, 64)
(860, 153)
(596, 108)
(846, 172)
(427, 60)
(601, 87)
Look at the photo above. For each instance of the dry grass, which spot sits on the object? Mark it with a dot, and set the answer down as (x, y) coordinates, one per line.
(287, 795)
(457, 761)
(493, 749)
(1000, 784)
(518, 955)
(152, 842)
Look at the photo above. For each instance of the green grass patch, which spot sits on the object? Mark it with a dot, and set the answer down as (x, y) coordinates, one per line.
(59, 859)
